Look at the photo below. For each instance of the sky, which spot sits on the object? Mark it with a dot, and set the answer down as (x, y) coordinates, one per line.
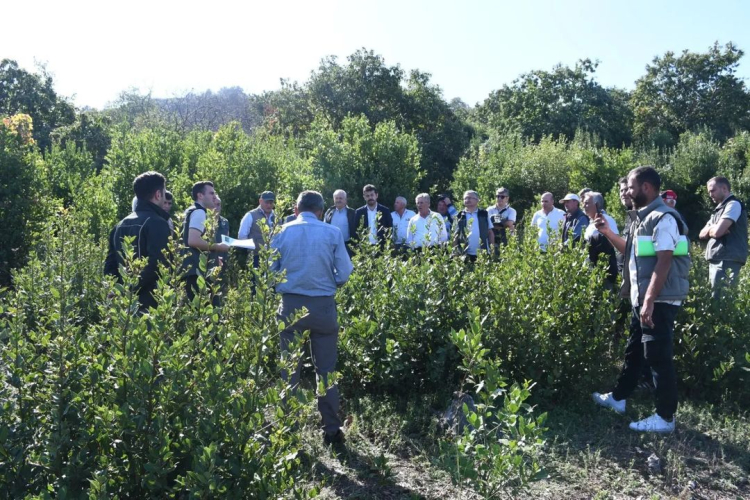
(96, 50)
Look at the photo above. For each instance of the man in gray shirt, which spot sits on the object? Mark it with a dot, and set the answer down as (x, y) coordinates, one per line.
(316, 262)
(726, 232)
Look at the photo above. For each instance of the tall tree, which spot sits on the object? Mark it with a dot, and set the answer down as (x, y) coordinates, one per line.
(367, 86)
(558, 103)
(693, 90)
(34, 95)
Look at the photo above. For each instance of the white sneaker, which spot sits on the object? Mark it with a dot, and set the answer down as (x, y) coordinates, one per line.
(654, 423)
(608, 401)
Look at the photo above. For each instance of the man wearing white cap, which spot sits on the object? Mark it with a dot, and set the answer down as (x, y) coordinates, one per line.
(575, 220)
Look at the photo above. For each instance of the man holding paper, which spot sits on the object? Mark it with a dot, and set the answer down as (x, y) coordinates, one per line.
(193, 230)
(655, 276)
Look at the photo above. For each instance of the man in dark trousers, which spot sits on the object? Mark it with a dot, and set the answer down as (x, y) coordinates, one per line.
(147, 224)
(374, 216)
(655, 276)
(314, 257)
(726, 232)
(193, 231)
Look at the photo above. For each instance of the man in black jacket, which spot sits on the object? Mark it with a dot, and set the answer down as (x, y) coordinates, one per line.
(575, 220)
(147, 224)
(374, 216)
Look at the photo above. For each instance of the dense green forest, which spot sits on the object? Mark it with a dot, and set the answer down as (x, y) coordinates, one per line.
(96, 401)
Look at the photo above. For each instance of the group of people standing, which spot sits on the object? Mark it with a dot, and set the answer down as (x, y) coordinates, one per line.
(313, 247)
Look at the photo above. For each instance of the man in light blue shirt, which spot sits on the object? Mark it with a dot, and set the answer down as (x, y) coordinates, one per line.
(314, 257)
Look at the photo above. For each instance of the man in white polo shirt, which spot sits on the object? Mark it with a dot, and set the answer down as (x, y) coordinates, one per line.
(401, 217)
(548, 220)
(427, 228)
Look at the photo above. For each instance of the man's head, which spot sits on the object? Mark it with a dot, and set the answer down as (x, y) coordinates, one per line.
(267, 202)
(423, 204)
(624, 195)
(370, 194)
(502, 197)
(339, 199)
(217, 205)
(167, 202)
(583, 192)
(669, 197)
(571, 202)
(203, 193)
(719, 189)
(442, 204)
(400, 204)
(593, 203)
(643, 186)
(150, 186)
(311, 201)
(471, 200)
(548, 202)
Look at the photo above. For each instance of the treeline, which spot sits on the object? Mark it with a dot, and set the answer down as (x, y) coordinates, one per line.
(363, 121)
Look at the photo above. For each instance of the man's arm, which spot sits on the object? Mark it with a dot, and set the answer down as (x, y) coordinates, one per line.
(111, 264)
(720, 229)
(704, 232)
(341, 261)
(385, 219)
(658, 278)
(157, 240)
(245, 223)
(195, 240)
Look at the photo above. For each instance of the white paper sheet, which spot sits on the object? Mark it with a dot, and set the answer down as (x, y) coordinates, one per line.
(249, 244)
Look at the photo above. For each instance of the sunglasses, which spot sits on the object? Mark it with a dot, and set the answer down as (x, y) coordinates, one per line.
(502, 196)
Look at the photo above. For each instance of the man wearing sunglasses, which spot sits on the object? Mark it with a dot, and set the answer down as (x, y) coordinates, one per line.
(502, 215)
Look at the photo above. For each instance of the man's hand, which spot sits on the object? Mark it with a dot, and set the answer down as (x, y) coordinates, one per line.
(601, 224)
(220, 247)
(647, 311)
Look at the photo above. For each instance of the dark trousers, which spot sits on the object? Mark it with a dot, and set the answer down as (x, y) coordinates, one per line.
(652, 346)
(191, 286)
(322, 322)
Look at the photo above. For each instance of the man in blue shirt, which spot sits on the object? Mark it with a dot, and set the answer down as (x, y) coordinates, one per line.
(316, 262)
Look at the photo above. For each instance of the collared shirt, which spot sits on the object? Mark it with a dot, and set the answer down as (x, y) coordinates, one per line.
(550, 225)
(591, 230)
(472, 226)
(340, 219)
(401, 225)
(314, 256)
(372, 223)
(426, 231)
(665, 237)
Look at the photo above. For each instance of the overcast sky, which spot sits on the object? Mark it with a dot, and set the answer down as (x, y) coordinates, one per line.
(98, 49)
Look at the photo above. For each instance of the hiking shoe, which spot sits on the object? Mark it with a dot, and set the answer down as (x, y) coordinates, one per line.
(654, 423)
(608, 401)
(333, 439)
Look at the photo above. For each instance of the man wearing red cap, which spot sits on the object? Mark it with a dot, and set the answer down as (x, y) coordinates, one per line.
(670, 198)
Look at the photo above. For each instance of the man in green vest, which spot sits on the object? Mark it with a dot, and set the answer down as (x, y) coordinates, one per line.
(655, 276)
(726, 232)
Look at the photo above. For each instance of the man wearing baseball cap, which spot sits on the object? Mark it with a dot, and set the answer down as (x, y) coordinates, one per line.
(670, 198)
(249, 227)
(575, 220)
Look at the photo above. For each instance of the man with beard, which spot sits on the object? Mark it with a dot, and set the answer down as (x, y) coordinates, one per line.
(656, 279)
(726, 232)
(374, 216)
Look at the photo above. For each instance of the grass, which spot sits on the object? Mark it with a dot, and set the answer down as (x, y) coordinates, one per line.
(590, 453)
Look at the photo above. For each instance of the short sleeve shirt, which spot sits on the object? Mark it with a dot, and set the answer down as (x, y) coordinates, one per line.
(198, 220)
(732, 211)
